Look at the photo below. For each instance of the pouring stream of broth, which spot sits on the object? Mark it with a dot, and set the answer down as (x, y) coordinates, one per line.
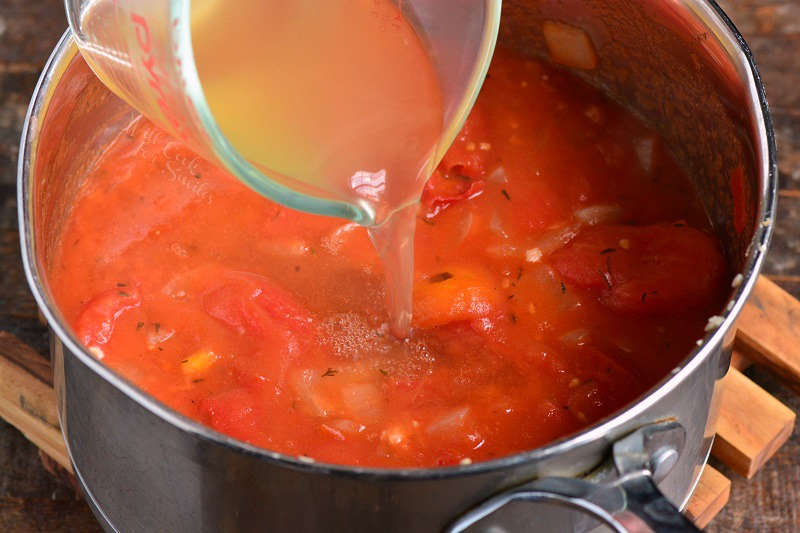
(338, 98)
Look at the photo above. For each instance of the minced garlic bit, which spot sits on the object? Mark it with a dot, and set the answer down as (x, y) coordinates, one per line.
(485, 146)
(466, 461)
(574, 382)
(533, 255)
(699, 342)
(714, 322)
(625, 244)
(305, 459)
(767, 222)
(470, 146)
(730, 305)
(531, 308)
(737, 280)
(96, 352)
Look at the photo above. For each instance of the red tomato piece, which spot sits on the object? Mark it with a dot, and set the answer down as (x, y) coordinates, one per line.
(648, 269)
(441, 190)
(96, 323)
(253, 303)
(233, 412)
(457, 295)
(466, 156)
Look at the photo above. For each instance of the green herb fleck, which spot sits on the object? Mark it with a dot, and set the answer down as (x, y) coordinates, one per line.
(330, 372)
(294, 404)
(184, 361)
(519, 273)
(505, 193)
(608, 251)
(157, 326)
(427, 221)
(123, 294)
(563, 288)
(197, 175)
(438, 278)
(122, 284)
(139, 325)
(513, 318)
(382, 371)
(198, 380)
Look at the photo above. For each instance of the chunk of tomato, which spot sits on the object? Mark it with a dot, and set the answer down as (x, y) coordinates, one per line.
(461, 172)
(468, 155)
(254, 304)
(96, 323)
(234, 412)
(647, 269)
(457, 295)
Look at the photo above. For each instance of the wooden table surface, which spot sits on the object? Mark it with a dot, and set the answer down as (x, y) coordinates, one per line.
(32, 500)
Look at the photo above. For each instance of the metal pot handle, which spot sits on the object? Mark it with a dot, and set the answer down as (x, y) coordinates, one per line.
(630, 503)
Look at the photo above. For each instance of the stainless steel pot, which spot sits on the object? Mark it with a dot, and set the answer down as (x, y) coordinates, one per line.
(681, 66)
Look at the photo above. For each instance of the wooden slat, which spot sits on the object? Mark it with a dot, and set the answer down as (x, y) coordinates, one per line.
(752, 424)
(17, 351)
(709, 497)
(27, 402)
(768, 331)
(739, 361)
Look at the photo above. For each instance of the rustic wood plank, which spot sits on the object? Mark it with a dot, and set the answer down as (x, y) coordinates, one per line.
(709, 497)
(739, 361)
(20, 353)
(752, 425)
(768, 331)
(26, 401)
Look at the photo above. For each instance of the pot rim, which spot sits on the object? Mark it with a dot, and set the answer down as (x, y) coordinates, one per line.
(740, 54)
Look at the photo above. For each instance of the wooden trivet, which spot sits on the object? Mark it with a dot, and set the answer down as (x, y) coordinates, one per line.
(752, 424)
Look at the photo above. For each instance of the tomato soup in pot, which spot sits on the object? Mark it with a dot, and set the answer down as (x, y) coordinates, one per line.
(563, 266)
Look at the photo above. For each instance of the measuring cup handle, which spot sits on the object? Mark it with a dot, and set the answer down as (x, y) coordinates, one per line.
(630, 503)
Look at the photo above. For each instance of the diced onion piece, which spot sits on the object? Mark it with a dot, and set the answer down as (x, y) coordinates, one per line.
(498, 175)
(496, 225)
(555, 238)
(576, 337)
(334, 242)
(599, 214)
(198, 363)
(533, 255)
(503, 250)
(569, 45)
(158, 334)
(450, 423)
(464, 226)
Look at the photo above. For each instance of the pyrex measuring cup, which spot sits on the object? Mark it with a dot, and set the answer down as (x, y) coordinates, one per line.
(142, 50)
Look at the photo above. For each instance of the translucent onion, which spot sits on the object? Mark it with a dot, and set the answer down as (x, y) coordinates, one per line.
(450, 423)
(599, 214)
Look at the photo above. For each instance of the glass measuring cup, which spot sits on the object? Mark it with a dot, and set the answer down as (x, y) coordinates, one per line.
(142, 50)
